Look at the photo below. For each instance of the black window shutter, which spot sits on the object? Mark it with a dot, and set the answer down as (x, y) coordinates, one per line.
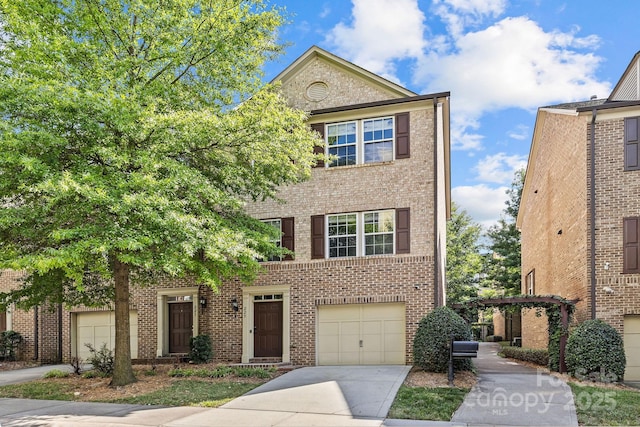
(631, 144)
(403, 232)
(288, 236)
(402, 136)
(317, 237)
(319, 127)
(631, 245)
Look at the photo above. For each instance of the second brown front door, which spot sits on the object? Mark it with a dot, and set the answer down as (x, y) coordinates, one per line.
(267, 338)
(180, 327)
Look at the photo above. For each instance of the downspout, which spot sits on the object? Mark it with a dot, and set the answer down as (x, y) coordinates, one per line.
(59, 332)
(36, 326)
(592, 212)
(436, 258)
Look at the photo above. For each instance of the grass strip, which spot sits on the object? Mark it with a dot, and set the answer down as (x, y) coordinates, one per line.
(600, 406)
(191, 393)
(423, 403)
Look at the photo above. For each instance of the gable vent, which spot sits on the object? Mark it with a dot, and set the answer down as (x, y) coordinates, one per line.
(317, 91)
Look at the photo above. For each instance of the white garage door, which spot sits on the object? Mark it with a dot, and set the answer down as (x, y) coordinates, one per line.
(632, 347)
(99, 327)
(361, 334)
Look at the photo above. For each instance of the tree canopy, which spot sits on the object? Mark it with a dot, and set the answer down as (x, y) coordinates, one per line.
(503, 263)
(464, 260)
(133, 132)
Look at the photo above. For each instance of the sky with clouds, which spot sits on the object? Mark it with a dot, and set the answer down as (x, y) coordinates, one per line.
(500, 60)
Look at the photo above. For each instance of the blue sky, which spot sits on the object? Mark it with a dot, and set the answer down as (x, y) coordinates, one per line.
(500, 60)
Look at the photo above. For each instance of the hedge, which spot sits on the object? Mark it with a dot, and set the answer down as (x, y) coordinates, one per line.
(537, 356)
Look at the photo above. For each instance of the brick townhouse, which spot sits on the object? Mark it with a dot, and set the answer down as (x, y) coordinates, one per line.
(580, 213)
(368, 232)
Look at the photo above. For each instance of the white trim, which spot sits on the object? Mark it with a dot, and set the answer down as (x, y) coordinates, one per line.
(248, 321)
(162, 309)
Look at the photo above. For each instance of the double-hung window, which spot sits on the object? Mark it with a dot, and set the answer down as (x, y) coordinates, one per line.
(341, 141)
(286, 240)
(277, 224)
(363, 233)
(361, 141)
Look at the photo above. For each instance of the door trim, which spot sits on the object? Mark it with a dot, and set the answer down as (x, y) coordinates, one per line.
(248, 319)
(162, 308)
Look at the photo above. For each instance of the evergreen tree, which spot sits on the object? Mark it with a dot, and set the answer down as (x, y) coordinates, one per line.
(503, 261)
(464, 261)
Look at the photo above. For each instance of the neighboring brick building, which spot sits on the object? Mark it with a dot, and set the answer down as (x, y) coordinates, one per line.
(580, 213)
(368, 233)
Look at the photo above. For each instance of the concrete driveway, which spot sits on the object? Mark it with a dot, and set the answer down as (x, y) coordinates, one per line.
(358, 391)
(348, 396)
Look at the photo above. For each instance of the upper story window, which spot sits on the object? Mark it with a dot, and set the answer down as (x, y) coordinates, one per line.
(287, 239)
(361, 141)
(277, 224)
(369, 140)
(383, 232)
(364, 233)
(531, 283)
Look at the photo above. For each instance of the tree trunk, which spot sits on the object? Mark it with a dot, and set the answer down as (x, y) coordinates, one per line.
(122, 369)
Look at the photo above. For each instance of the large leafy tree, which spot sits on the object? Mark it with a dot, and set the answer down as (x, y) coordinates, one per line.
(503, 268)
(464, 261)
(132, 132)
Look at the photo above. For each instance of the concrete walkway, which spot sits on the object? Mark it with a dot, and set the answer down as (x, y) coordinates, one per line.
(350, 396)
(509, 394)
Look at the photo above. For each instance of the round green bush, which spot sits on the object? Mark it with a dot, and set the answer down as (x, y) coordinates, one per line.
(201, 349)
(431, 342)
(595, 350)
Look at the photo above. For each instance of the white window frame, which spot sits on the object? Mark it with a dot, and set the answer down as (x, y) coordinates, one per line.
(278, 242)
(531, 282)
(360, 143)
(360, 233)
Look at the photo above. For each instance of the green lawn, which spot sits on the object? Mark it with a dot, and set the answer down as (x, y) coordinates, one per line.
(38, 390)
(422, 403)
(599, 406)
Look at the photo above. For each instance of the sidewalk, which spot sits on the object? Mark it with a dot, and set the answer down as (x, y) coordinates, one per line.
(506, 394)
(515, 395)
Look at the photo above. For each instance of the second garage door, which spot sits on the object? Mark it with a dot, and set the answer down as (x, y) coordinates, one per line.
(99, 327)
(632, 347)
(361, 334)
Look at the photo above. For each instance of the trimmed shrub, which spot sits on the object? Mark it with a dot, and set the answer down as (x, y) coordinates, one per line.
(201, 349)
(9, 342)
(537, 356)
(102, 360)
(431, 342)
(595, 351)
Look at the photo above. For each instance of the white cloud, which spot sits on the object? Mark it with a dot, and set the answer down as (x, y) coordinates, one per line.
(381, 32)
(499, 168)
(513, 63)
(326, 10)
(459, 14)
(483, 203)
(520, 133)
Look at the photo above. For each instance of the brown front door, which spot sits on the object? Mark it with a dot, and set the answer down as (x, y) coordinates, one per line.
(267, 335)
(180, 326)
(3, 321)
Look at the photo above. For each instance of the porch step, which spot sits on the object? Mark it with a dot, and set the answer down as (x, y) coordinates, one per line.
(265, 360)
(265, 365)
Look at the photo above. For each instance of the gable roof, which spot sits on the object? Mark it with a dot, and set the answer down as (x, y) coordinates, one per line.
(314, 52)
(628, 87)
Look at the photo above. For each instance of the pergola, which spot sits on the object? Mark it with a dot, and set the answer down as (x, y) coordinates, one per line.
(533, 302)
